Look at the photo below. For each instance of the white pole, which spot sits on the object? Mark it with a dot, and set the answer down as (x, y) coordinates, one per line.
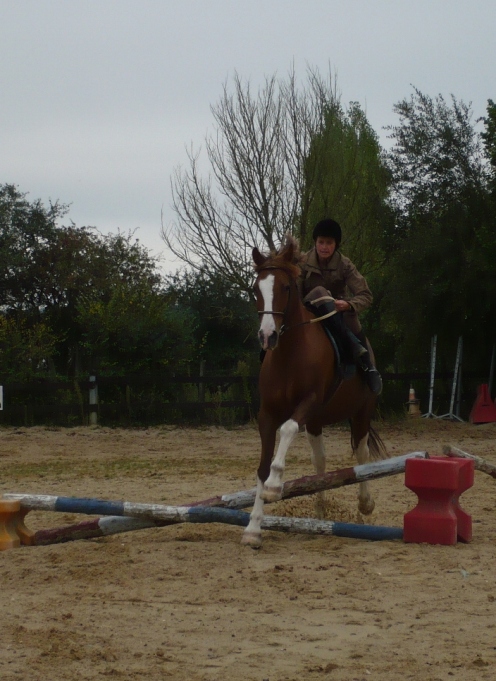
(432, 377)
(456, 380)
(1, 397)
(93, 420)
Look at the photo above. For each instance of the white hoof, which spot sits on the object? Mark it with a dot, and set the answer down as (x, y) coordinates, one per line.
(252, 539)
(271, 493)
(366, 506)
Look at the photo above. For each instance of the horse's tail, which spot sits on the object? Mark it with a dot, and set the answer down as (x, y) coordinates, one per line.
(377, 448)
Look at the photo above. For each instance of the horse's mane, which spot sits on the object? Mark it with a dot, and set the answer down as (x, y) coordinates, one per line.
(280, 258)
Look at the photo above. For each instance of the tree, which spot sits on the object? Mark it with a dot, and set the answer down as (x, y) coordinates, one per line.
(349, 180)
(265, 174)
(26, 229)
(96, 300)
(26, 350)
(225, 319)
(440, 276)
(135, 329)
(489, 135)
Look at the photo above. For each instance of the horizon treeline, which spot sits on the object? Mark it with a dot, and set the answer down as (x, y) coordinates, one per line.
(419, 221)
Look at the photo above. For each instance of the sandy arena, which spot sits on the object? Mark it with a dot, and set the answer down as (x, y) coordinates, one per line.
(189, 603)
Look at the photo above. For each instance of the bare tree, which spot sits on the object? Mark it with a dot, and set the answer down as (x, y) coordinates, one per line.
(260, 167)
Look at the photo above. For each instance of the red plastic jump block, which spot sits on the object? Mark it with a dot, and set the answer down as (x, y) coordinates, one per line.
(483, 411)
(438, 482)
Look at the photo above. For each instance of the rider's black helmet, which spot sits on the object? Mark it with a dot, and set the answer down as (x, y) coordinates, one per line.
(328, 228)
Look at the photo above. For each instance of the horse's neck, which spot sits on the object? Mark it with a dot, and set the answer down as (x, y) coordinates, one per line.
(298, 311)
(296, 319)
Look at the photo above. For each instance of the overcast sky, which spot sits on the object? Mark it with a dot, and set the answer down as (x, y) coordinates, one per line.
(100, 98)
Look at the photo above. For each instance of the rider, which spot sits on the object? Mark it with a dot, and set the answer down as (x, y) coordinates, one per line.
(325, 270)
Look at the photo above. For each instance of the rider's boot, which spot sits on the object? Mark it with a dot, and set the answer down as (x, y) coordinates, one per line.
(371, 374)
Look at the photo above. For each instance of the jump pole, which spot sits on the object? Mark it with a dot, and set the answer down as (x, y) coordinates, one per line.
(480, 463)
(215, 514)
(127, 516)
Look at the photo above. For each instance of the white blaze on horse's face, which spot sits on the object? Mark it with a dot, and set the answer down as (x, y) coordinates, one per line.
(267, 333)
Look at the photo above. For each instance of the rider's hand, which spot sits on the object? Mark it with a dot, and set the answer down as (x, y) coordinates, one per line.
(342, 305)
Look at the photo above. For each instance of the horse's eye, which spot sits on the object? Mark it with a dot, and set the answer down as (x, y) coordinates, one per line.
(287, 287)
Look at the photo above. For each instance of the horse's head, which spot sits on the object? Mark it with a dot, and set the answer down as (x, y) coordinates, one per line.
(275, 283)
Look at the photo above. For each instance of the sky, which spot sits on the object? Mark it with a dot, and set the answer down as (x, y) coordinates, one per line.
(100, 99)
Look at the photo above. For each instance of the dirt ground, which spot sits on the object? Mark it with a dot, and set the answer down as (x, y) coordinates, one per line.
(189, 603)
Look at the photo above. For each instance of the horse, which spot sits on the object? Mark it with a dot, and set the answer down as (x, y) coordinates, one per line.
(300, 386)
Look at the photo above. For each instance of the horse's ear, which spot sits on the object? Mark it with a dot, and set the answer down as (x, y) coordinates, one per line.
(258, 258)
(289, 251)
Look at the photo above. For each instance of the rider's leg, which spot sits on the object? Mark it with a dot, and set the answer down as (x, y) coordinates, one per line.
(365, 361)
(339, 325)
(372, 376)
(322, 304)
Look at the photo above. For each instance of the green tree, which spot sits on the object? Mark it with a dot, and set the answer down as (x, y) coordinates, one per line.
(26, 230)
(26, 350)
(135, 329)
(100, 297)
(225, 319)
(440, 275)
(489, 135)
(349, 181)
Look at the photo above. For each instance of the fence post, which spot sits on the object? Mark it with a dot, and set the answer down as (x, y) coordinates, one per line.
(93, 420)
(491, 370)
(201, 384)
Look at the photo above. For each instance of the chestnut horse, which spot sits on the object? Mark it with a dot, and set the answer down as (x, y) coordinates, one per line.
(300, 385)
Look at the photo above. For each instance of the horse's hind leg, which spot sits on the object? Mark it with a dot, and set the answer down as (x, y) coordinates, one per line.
(360, 439)
(319, 462)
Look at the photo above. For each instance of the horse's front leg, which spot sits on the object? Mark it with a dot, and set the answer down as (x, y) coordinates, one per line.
(272, 489)
(319, 463)
(252, 536)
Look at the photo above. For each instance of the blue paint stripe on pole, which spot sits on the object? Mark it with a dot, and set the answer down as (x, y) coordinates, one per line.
(372, 532)
(89, 506)
(215, 514)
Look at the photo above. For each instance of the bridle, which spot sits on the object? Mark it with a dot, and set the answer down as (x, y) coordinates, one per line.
(291, 281)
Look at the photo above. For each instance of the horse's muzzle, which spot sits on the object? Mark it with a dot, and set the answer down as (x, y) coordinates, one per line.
(268, 342)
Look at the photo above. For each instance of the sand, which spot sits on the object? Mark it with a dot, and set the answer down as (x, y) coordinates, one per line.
(188, 602)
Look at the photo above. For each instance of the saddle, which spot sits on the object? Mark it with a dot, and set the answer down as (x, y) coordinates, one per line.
(345, 366)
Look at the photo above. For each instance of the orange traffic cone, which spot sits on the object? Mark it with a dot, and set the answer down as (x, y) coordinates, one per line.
(413, 404)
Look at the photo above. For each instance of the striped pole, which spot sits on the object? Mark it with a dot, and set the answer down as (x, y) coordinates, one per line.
(480, 464)
(205, 514)
(126, 516)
